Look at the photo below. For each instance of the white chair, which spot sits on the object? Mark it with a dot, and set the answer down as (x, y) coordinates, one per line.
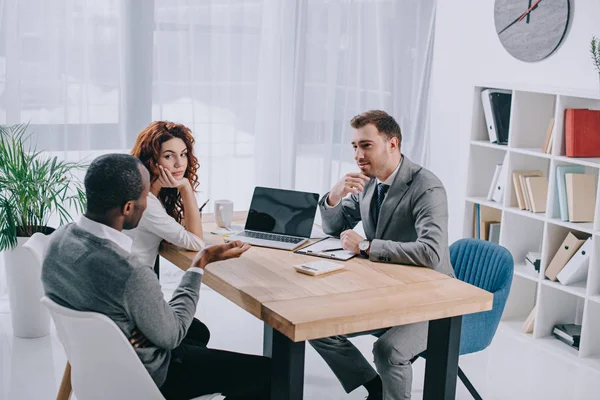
(104, 365)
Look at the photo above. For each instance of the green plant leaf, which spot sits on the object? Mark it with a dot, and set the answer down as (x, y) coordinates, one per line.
(33, 186)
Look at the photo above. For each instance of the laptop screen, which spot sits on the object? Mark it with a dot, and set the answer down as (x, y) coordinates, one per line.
(286, 212)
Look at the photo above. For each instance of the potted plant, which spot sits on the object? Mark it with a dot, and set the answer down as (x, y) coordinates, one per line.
(33, 188)
(595, 52)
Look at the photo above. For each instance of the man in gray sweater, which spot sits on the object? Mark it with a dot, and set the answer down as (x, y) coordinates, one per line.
(88, 267)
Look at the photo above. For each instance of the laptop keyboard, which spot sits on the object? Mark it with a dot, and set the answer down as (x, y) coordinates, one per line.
(273, 237)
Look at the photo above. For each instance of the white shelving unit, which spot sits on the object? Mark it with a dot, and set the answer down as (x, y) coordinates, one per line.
(523, 231)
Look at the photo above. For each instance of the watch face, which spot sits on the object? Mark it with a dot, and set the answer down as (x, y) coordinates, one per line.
(364, 245)
(531, 30)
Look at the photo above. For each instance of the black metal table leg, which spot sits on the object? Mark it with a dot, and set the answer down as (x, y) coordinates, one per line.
(157, 266)
(287, 365)
(441, 368)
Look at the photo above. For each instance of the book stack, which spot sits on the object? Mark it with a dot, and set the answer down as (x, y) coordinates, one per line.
(486, 223)
(534, 259)
(531, 190)
(568, 333)
(571, 262)
(547, 146)
(576, 193)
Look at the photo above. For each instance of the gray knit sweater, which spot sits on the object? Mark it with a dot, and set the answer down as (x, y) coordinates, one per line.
(84, 272)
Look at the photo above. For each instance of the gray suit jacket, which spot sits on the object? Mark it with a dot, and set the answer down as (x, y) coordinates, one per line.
(413, 221)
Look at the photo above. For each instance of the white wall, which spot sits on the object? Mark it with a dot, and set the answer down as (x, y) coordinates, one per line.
(468, 52)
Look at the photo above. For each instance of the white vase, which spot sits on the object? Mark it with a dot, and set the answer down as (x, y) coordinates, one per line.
(30, 319)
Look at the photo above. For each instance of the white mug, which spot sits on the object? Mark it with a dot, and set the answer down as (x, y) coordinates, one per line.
(223, 213)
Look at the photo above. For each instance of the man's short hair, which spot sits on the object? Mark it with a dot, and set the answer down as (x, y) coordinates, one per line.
(385, 123)
(111, 181)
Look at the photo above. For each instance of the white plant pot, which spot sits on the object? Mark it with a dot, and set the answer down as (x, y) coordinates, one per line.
(30, 319)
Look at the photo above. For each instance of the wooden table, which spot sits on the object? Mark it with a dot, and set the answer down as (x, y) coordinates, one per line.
(364, 296)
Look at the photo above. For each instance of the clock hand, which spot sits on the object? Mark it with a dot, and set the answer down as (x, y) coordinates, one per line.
(520, 18)
(526, 13)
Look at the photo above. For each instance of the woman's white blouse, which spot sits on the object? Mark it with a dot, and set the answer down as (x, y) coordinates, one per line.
(154, 227)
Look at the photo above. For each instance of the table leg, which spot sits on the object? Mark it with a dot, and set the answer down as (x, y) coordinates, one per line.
(287, 365)
(64, 391)
(441, 368)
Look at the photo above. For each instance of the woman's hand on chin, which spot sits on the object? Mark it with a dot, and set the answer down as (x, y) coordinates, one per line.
(166, 180)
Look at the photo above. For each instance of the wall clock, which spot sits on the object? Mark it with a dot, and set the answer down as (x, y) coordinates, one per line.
(531, 30)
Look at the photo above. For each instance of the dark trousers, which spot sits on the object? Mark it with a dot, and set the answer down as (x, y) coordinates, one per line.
(196, 370)
(198, 332)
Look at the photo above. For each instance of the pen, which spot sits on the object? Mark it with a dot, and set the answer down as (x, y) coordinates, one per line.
(203, 205)
(328, 250)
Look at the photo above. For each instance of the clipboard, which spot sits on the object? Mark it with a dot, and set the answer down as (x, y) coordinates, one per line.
(316, 249)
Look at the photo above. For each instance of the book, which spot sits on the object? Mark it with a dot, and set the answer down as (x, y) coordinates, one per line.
(581, 196)
(547, 146)
(582, 132)
(528, 324)
(519, 189)
(568, 333)
(494, 230)
(561, 189)
(537, 190)
(485, 217)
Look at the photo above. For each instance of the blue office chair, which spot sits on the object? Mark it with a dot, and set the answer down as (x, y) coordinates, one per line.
(489, 267)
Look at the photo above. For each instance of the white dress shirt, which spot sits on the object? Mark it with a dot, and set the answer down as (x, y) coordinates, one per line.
(154, 227)
(388, 181)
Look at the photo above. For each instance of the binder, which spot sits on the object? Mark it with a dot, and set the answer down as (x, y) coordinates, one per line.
(581, 196)
(537, 188)
(494, 181)
(582, 133)
(499, 189)
(496, 109)
(577, 268)
(566, 250)
(561, 170)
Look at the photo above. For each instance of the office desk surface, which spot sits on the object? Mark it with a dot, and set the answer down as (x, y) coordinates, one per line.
(362, 297)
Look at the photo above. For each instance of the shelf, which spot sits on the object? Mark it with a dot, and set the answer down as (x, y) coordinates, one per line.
(526, 271)
(587, 227)
(531, 152)
(586, 162)
(484, 202)
(578, 289)
(523, 231)
(488, 144)
(595, 299)
(525, 213)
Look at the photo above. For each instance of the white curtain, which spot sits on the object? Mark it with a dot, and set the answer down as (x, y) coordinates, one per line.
(267, 86)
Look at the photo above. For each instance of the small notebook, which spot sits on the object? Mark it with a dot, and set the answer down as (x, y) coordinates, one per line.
(320, 267)
(330, 247)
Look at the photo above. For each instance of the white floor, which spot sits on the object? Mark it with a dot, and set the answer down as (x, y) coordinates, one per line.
(513, 367)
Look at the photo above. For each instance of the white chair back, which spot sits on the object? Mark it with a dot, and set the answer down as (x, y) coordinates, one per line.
(104, 365)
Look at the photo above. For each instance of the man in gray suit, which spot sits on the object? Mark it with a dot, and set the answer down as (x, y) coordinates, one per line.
(404, 211)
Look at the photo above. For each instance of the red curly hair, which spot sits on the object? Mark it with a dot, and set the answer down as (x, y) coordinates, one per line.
(147, 149)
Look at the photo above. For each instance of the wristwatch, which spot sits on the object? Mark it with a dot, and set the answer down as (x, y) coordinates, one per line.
(364, 247)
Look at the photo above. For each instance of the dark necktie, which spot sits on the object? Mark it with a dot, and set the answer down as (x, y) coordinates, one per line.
(381, 191)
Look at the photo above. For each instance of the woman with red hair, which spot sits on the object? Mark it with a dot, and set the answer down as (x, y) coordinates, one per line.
(167, 150)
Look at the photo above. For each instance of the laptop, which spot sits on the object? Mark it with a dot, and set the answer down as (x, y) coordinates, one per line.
(278, 218)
